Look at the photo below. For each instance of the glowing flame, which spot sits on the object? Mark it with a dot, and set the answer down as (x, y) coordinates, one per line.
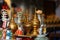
(8, 2)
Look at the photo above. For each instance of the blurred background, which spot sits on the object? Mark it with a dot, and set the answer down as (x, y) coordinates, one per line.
(48, 6)
(51, 9)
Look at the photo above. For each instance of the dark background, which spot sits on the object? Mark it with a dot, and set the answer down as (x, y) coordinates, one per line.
(48, 6)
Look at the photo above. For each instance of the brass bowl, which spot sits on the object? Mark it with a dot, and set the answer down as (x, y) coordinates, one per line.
(27, 28)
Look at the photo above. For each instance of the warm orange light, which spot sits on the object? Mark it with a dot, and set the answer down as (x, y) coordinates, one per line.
(39, 11)
(8, 2)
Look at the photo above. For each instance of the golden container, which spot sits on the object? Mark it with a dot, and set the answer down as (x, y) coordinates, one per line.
(13, 26)
(35, 21)
(36, 24)
(28, 27)
(27, 24)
